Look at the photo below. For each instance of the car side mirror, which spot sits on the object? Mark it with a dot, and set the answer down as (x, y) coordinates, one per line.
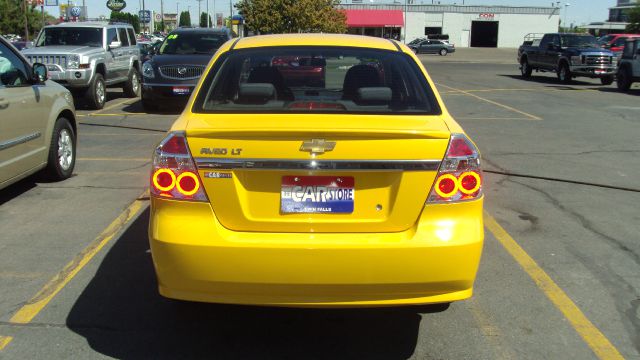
(39, 73)
(115, 45)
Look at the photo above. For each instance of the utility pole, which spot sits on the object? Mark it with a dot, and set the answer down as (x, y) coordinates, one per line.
(26, 21)
(230, 9)
(144, 27)
(161, 15)
(199, 12)
(208, 16)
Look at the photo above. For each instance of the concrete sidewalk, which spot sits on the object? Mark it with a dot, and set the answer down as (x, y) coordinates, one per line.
(475, 55)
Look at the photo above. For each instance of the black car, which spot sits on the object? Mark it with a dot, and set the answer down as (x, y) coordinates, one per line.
(170, 76)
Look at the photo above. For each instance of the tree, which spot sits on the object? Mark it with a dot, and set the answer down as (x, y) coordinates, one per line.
(634, 21)
(203, 20)
(12, 18)
(185, 19)
(293, 16)
(128, 18)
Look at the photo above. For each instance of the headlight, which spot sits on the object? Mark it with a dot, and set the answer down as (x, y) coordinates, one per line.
(576, 60)
(73, 61)
(147, 70)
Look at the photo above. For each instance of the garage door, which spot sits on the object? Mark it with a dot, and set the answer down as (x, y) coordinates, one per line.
(484, 34)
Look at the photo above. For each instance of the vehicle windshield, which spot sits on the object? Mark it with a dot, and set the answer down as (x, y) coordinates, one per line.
(192, 43)
(578, 41)
(313, 79)
(605, 39)
(70, 36)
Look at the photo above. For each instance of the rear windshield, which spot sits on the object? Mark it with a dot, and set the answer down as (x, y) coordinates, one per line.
(192, 43)
(70, 36)
(314, 79)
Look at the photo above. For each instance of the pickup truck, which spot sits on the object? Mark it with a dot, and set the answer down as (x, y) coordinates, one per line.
(569, 56)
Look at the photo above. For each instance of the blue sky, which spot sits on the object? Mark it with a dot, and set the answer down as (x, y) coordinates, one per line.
(578, 12)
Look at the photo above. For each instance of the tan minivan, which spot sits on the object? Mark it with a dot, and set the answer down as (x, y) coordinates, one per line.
(37, 121)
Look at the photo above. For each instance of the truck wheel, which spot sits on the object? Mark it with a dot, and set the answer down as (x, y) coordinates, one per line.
(564, 73)
(96, 94)
(624, 79)
(443, 52)
(132, 86)
(607, 80)
(525, 69)
(62, 151)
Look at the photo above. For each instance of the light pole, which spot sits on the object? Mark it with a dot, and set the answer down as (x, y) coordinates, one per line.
(208, 16)
(566, 7)
(404, 36)
(199, 12)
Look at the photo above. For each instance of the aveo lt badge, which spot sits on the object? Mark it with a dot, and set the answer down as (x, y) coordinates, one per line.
(317, 146)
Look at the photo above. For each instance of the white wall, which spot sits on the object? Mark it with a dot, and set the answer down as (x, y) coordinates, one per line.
(511, 27)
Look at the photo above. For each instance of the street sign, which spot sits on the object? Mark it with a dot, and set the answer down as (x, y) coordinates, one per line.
(158, 17)
(51, 2)
(145, 16)
(36, 2)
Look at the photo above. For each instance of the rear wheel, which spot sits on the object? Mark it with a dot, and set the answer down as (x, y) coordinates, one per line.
(62, 151)
(96, 94)
(443, 52)
(564, 73)
(132, 86)
(624, 79)
(525, 69)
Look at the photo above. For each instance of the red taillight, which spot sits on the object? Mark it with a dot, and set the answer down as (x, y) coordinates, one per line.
(164, 180)
(188, 183)
(459, 176)
(174, 173)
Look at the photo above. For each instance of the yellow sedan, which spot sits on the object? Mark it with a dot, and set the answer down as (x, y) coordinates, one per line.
(316, 170)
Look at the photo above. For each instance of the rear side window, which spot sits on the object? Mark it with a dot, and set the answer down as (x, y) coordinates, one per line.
(112, 35)
(124, 38)
(316, 80)
(132, 36)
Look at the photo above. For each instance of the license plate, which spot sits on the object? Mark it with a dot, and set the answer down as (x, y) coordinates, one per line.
(181, 90)
(317, 194)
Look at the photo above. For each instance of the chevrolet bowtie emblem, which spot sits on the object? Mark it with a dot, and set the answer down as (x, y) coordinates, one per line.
(317, 146)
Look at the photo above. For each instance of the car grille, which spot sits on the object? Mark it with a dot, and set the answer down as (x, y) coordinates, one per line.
(181, 72)
(597, 60)
(49, 60)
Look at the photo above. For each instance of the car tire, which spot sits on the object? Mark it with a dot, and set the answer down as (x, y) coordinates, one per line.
(607, 80)
(525, 69)
(96, 94)
(564, 73)
(443, 52)
(149, 106)
(132, 86)
(62, 151)
(623, 80)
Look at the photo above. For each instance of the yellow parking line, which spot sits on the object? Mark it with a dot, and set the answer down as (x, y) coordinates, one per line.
(595, 339)
(27, 312)
(121, 134)
(4, 341)
(531, 117)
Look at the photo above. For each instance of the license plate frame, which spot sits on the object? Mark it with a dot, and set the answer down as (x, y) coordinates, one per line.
(181, 90)
(317, 194)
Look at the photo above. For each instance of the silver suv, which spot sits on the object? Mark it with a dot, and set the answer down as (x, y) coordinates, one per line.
(87, 57)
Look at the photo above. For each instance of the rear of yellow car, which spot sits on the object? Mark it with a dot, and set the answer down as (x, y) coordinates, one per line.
(354, 189)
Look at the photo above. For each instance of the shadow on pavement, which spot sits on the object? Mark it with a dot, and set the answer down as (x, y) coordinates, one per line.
(136, 108)
(549, 78)
(13, 191)
(121, 315)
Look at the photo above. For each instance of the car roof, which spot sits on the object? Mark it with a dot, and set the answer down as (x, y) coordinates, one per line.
(88, 24)
(316, 40)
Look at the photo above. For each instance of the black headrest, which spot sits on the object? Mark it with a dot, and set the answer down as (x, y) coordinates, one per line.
(357, 77)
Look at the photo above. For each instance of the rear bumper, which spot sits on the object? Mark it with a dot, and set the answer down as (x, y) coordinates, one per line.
(197, 259)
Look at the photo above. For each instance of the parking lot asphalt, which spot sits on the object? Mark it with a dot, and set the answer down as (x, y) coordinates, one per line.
(559, 277)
